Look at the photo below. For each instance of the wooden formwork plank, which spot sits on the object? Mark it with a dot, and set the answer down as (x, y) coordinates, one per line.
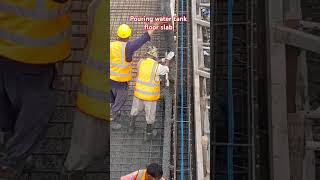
(279, 148)
(197, 109)
(296, 144)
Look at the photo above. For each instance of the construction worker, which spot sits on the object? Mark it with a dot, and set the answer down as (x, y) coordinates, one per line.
(121, 54)
(90, 133)
(153, 172)
(34, 36)
(147, 90)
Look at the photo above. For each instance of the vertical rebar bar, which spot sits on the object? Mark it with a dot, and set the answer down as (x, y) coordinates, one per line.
(230, 93)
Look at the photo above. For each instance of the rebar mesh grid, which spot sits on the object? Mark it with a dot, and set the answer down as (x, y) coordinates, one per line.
(183, 127)
(243, 81)
(129, 153)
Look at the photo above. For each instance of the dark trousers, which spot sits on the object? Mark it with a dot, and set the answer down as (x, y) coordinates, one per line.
(26, 104)
(118, 96)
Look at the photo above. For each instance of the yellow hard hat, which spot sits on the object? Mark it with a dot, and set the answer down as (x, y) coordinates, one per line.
(124, 31)
(152, 51)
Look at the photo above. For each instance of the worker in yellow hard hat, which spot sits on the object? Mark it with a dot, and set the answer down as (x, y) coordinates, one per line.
(147, 89)
(121, 53)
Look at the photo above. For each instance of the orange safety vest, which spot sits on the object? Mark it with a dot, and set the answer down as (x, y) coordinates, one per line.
(35, 32)
(120, 69)
(142, 175)
(92, 96)
(147, 88)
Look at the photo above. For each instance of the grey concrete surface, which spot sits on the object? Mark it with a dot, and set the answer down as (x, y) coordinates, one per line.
(129, 152)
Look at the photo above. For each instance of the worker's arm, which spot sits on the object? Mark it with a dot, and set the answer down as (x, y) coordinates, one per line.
(131, 176)
(133, 45)
(168, 58)
(162, 70)
(167, 63)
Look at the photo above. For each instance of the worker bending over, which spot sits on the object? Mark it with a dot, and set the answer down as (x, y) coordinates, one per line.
(153, 172)
(147, 90)
(34, 36)
(121, 53)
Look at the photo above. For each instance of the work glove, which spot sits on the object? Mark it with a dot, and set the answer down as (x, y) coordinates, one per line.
(168, 57)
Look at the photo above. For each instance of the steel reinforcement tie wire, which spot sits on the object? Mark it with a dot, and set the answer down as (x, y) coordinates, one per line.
(181, 95)
(230, 95)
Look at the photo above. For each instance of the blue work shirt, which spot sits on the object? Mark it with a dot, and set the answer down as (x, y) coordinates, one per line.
(131, 47)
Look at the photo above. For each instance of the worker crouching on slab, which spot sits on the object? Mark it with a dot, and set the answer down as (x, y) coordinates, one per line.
(121, 53)
(153, 172)
(34, 37)
(147, 90)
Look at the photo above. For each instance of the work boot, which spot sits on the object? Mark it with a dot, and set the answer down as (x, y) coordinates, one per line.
(13, 171)
(150, 132)
(114, 124)
(132, 125)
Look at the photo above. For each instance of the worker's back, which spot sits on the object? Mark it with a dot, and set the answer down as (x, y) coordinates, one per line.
(147, 87)
(35, 32)
(120, 69)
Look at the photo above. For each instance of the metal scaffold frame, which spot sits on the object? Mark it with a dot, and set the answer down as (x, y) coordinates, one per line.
(201, 97)
(234, 81)
(183, 132)
(292, 144)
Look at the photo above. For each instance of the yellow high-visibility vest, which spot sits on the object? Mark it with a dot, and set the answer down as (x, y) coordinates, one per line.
(35, 31)
(147, 88)
(120, 69)
(92, 97)
(142, 175)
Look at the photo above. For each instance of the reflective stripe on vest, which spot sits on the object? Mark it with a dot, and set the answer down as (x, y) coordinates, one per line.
(141, 175)
(148, 90)
(37, 43)
(40, 13)
(120, 70)
(120, 65)
(153, 75)
(147, 93)
(92, 102)
(35, 31)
